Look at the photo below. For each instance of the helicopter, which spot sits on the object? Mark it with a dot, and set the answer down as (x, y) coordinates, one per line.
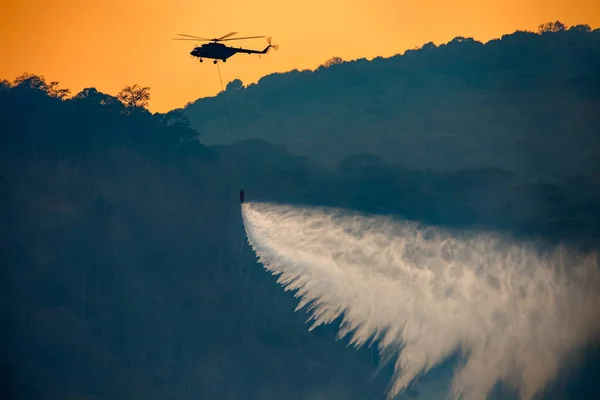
(219, 51)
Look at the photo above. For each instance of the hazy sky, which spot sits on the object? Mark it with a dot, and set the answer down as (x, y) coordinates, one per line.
(108, 44)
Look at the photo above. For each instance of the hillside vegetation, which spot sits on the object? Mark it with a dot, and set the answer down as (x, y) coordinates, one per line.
(526, 103)
(125, 270)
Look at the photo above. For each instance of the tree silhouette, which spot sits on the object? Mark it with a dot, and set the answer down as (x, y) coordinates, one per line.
(54, 91)
(581, 28)
(333, 61)
(555, 26)
(429, 46)
(175, 118)
(235, 84)
(30, 81)
(93, 95)
(92, 98)
(37, 82)
(134, 97)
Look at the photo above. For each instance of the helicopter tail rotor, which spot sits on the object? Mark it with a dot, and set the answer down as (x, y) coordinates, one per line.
(272, 46)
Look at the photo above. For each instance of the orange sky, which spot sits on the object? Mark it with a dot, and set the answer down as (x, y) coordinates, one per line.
(108, 44)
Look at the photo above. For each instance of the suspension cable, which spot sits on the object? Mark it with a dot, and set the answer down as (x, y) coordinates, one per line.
(233, 141)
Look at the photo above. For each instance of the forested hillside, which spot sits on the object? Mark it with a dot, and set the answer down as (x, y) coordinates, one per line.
(526, 103)
(125, 270)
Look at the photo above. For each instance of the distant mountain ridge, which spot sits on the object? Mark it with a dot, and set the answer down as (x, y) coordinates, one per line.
(526, 103)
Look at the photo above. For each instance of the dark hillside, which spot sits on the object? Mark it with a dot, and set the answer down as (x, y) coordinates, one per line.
(526, 103)
(125, 271)
(124, 267)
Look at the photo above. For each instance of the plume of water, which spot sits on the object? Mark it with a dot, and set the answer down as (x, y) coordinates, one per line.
(515, 312)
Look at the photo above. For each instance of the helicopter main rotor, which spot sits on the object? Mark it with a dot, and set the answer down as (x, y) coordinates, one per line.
(215, 40)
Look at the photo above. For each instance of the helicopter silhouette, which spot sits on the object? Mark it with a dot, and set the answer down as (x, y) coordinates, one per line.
(219, 51)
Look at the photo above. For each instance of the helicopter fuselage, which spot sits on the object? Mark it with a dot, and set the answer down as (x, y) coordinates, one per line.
(219, 51)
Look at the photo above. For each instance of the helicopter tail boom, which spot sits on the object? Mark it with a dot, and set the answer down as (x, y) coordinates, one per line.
(265, 51)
